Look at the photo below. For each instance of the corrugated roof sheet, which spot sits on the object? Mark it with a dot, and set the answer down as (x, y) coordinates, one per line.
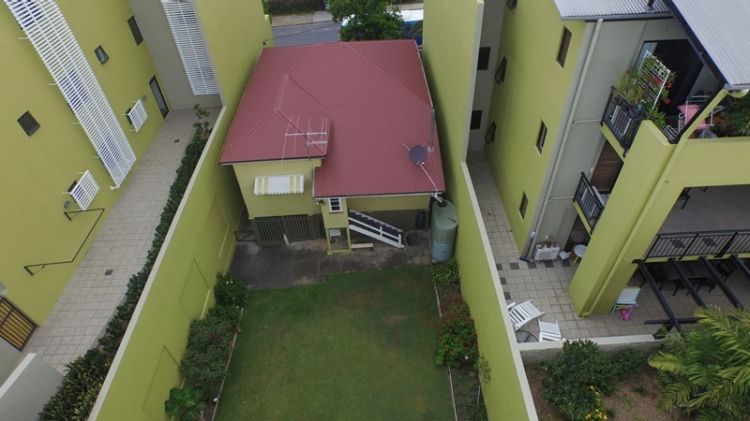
(375, 96)
(603, 9)
(722, 28)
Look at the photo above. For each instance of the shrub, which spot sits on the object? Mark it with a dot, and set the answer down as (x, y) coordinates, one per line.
(575, 377)
(185, 404)
(230, 291)
(207, 353)
(706, 370)
(79, 388)
(445, 273)
(457, 344)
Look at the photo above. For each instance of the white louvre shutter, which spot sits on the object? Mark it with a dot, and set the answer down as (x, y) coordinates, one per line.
(85, 190)
(49, 33)
(191, 45)
(137, 115)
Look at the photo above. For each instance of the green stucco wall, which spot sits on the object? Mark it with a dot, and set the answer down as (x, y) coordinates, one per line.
(535, 89)
(450, 52)
(200, 244)
(35, 171)
(292, 204)
(653, 175)
(382, 204)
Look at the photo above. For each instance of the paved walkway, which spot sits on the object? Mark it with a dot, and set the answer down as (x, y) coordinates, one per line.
(91, 296)
(306, 262)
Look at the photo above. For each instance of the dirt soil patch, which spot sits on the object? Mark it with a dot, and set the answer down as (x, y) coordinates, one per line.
(635, 399)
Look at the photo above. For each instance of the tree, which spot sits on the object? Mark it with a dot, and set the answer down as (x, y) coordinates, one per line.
(367, 20)
(706, 370)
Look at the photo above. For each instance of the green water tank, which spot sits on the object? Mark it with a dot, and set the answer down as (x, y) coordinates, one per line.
(443, 230)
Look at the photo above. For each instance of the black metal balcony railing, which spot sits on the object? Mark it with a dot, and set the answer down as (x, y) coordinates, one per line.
(700, 243)
(589, 200)
(622, 119)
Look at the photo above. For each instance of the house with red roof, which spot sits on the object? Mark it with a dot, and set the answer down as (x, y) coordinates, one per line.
(335, 139)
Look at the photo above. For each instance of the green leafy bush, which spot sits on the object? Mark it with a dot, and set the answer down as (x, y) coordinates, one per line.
(706, 370)
(80, 386)
(457, 344)
(207, 353)
(367, 20)
(185, 404)
(229, 291)
(575, 377)
(445, 273)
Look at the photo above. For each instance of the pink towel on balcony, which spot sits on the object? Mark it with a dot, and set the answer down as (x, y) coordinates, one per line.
(689, 110)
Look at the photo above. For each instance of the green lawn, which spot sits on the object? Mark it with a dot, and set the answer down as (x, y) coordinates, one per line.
(359, 347)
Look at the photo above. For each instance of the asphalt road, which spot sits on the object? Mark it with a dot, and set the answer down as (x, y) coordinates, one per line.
(312, 33)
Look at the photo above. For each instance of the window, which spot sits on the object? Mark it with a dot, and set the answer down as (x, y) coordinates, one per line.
(101, 54)
(489, 135)
(28, 123)
(511, 4)
(500, 72)
(562, 53)
(484, 58)
(524, 204)
(476, 119)
(135, 30)
(540, 138)
(334, 205)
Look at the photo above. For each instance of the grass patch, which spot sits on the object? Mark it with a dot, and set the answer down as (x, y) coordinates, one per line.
(359, 346)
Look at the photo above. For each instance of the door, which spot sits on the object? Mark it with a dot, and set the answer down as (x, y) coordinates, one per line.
(159, 97)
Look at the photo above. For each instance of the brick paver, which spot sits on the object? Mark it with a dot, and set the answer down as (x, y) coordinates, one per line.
(90, 298)
(546, 283)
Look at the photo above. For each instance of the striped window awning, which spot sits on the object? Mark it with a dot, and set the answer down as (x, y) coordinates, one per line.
(276, 185)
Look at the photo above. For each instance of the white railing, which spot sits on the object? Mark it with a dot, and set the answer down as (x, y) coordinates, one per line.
(85, 190)
(137, 115)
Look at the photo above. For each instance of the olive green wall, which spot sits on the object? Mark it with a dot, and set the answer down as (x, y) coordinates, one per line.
(35, 171)
(199, 244)
(292, 204)
(335, 219)
(652, 177)
(383, 203)
(535, 89)
(451, 43)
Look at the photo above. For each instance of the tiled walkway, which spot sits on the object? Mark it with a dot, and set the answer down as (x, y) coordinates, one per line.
(546, 283)
(91, 296)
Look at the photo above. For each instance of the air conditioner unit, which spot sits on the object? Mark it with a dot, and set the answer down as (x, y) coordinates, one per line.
(546, 251)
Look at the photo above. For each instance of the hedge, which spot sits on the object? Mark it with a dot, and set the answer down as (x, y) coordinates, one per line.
(81, 384)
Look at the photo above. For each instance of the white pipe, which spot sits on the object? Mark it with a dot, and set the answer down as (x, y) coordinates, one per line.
(566, 133)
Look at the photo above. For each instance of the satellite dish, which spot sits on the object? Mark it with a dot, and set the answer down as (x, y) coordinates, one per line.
(418, 154)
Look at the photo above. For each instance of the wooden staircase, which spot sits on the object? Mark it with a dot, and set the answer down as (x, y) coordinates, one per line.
(376, 229)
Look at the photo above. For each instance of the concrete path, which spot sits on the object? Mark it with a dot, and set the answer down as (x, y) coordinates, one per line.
(90, 298)
(307, 263)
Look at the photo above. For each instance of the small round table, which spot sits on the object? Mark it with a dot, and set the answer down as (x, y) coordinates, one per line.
(579, 250)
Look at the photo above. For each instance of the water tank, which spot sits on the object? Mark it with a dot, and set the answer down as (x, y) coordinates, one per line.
(443, 230)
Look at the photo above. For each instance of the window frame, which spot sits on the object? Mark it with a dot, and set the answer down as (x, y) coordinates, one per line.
(335, 208)
(524, 205)
(28, 123)
(562, 50)
(135, 30)
(483, 62)
(502, 68)
(101, 54)
(541, 137)
(511, 4)
(475, 119)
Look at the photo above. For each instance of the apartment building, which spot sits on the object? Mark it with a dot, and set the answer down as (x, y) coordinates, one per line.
(610, 131)
(98, 110)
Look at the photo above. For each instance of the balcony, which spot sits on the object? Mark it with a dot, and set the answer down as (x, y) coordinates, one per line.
(700, 243)
(590, 203)
(622, 119)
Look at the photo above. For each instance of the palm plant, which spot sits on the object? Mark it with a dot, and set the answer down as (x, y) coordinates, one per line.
(706, 370)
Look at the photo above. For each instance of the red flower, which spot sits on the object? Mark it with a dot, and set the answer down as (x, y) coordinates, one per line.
(666, 101)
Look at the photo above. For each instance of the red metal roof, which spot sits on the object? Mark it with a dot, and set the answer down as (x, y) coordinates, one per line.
(370, 97)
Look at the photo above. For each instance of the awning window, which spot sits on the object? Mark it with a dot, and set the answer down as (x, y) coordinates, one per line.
(275, 185)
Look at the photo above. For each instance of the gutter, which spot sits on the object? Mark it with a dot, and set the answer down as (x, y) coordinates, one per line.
(566, 135)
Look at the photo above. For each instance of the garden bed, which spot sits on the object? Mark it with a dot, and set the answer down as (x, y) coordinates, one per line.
(636, 398)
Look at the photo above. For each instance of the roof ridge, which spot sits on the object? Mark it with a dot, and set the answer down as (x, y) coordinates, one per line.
(384, 73)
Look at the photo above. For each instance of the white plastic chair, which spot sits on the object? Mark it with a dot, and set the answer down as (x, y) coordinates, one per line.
(521, 314)
(549, 332)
